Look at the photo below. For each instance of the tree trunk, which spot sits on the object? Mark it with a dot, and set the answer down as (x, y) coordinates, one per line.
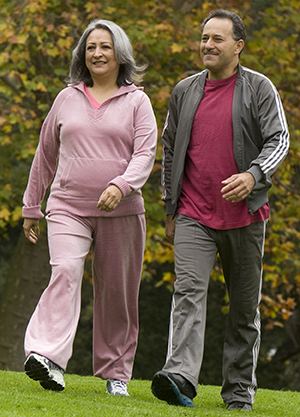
(28, 275)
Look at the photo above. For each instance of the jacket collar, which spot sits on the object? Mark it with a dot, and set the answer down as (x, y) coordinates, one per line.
(203, 75)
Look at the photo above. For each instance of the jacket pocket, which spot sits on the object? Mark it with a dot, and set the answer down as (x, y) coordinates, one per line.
(87, 178)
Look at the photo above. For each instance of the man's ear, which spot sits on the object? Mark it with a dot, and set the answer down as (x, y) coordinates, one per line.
(239, 46)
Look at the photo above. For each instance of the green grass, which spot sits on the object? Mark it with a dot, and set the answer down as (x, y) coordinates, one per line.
(85, 396)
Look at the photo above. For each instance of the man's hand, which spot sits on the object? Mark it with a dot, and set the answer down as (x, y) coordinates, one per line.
(170, 228)
(110, 198)
(31, 230)
(238, 187)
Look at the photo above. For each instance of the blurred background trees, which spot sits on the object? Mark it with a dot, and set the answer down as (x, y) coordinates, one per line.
(37, 38)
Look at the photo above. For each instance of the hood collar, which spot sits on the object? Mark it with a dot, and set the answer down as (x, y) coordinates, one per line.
(124, 89)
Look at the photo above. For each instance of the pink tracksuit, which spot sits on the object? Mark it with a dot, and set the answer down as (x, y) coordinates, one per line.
(86, 149)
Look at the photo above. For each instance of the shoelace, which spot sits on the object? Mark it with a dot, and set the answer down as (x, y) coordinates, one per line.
(119, 386)
(53, 365)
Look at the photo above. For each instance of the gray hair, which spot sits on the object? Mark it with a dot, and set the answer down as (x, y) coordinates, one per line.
(128, 72)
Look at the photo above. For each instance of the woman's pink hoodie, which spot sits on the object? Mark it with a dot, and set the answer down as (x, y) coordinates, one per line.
(88, 149)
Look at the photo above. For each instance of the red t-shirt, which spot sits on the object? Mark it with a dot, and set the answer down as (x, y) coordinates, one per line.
(210, 160)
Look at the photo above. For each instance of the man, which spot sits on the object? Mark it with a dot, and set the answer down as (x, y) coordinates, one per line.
(224, 137)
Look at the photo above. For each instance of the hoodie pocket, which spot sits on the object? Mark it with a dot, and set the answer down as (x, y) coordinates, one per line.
(87, 178)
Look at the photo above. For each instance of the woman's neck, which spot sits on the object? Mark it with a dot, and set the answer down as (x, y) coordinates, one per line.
(102, 92)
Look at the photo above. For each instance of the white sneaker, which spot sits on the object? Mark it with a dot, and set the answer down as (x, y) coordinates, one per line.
(116, 387)
(49, 375)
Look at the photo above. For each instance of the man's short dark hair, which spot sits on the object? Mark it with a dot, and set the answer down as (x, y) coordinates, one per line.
(238, 31)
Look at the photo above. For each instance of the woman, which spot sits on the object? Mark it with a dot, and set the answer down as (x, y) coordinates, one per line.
(102, 131)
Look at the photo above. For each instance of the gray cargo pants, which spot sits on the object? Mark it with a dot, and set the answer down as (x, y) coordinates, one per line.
(241, 252)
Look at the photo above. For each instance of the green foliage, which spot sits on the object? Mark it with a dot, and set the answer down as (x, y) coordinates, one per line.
(35, 42)
(85, 396)
(274, 50)
(37, 38)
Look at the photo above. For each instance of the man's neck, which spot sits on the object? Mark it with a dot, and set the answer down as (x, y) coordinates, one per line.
(222, 75)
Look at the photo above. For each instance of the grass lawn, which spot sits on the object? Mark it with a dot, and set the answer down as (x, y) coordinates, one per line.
(85, 396)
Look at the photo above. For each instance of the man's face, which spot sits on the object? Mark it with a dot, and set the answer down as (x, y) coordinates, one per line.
(218, 50)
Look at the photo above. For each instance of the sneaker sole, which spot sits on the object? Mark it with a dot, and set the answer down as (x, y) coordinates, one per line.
(38, 371)
(117, 394)
(165, 389)
(52, 385)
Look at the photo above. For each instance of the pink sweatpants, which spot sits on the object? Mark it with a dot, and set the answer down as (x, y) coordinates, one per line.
(117, 246)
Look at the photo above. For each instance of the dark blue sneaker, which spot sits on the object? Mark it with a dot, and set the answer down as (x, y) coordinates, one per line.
(173, 388)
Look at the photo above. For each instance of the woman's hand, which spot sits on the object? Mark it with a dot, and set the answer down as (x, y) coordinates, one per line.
(31, 229)
(110, 198)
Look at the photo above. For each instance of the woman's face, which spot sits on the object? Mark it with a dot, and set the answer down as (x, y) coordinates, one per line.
(100, 56)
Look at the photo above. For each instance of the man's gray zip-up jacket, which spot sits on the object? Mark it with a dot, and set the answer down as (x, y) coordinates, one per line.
(260, 133)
